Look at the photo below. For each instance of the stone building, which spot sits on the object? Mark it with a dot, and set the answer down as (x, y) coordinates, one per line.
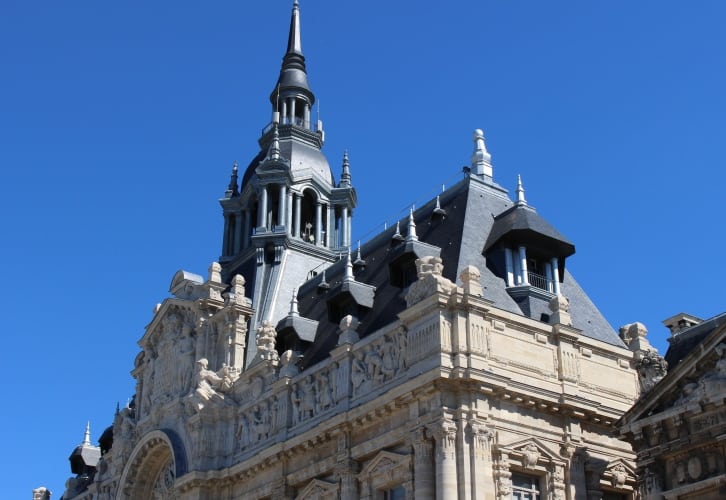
(452, 356)
(677, 428)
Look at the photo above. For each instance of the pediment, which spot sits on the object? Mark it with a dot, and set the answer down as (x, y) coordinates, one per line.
(530, 452)
(700, 376)
(384, 462)
(168, 318)
(317, 489)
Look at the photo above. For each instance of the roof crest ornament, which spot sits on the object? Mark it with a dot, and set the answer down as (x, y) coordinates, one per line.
(87, 435)
(521, 201)
(481, 159)
(345, 175)
(232, 188)
(293, 303)
(411, 236)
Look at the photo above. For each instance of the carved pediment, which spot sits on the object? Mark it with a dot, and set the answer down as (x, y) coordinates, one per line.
(619, 474)
(318, 489)
(529, 453)
(386, 468)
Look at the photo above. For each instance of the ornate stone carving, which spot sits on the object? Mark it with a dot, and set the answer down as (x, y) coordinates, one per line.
(209, 385)
(266, 336)
(430, 280)
(163, 488)
(288, 362)
(471, 277)
(347, 333)
(652, 367)
(560, 307)
(530, 456)
(619, 476)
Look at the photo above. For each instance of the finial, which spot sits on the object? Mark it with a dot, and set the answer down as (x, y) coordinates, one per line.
(438, 210)
(397, 234)
(323, 282)
(481, 159)
(87, 435)
(411, 236)
(348, 268)
(294, 43)
(359, 262)
(293, 303)
(520, 192)
(232, 189)
(345, 175)
(274, 153)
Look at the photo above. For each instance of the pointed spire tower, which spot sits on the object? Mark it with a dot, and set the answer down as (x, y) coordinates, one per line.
(289, 208)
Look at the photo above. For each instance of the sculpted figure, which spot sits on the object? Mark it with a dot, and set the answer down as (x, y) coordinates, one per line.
(296, 399)
(325, 396)
(266, 336)
(183, 366)
(207, 383)
(307, 407)
(374, 365)
(388, 366)
(358, 375)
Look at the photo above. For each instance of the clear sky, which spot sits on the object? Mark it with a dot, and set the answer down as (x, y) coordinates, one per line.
(119, 123)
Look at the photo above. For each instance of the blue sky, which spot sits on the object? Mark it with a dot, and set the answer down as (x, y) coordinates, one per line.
(119, 123)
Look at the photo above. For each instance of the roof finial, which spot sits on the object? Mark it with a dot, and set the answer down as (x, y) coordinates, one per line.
(481, 159)
(411, 236)
(232, 189)
(293, 303)
(87, 435)
(274, 153)
(348, 268)
(397, 235)
(294, 43)
(345, 175)
(520, 192)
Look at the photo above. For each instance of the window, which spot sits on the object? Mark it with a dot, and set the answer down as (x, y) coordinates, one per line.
(397, 493)
(525, 487)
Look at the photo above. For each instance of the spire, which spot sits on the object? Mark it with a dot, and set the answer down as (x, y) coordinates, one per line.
(345, 175)
(274, 152)
(87, 435)
(232, 189)
(481, 159)
(520, 192)
(293, 75)
(348, 268)
(411, 236)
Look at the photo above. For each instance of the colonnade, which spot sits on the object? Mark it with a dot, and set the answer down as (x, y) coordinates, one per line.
(519, 275)
(299, 215)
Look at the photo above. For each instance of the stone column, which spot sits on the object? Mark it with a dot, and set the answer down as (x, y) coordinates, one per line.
(423, 466)
(330, 226)
(509, 263)
(284, 112)
(344, 227)
(262, 208)
(446, 479)
(306, 116)
(318, 222)
(292, 110)
(296, 226)
(523, 265)
(346, 468)
(482, 479)
(237, 233)
(556, 276)
(288, 220)
(281, 209)
(548, 275)
(503, 478)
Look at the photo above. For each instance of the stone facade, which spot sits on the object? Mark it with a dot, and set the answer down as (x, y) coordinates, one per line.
(677, 428)
(452, 356)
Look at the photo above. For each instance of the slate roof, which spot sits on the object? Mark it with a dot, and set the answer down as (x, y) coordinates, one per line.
(472, 207)
(683, 343)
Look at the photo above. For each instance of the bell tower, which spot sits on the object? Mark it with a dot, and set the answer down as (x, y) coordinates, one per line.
(286, 219)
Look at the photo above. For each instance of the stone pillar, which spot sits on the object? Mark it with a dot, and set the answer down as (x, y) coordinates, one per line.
(509, 263)
(262, 208)
(548, 275)
(423, 466)
(296, 225)
(284, 112)
(503, 478)
(344, 227)
(555, 276)
(281, 209)
(446, 479)
(523, 265)
(330, 226)
(248, 227)
(306, 116)
(577, 480)
(318, 222)
(288, 220)
(481, 473)
(237, 233)
(346, 468)
(292, 110)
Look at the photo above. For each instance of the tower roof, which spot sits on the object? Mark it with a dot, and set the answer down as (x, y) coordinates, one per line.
(293, 75)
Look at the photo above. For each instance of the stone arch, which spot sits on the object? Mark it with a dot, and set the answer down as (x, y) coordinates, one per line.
(310, 198)
(155, 463)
